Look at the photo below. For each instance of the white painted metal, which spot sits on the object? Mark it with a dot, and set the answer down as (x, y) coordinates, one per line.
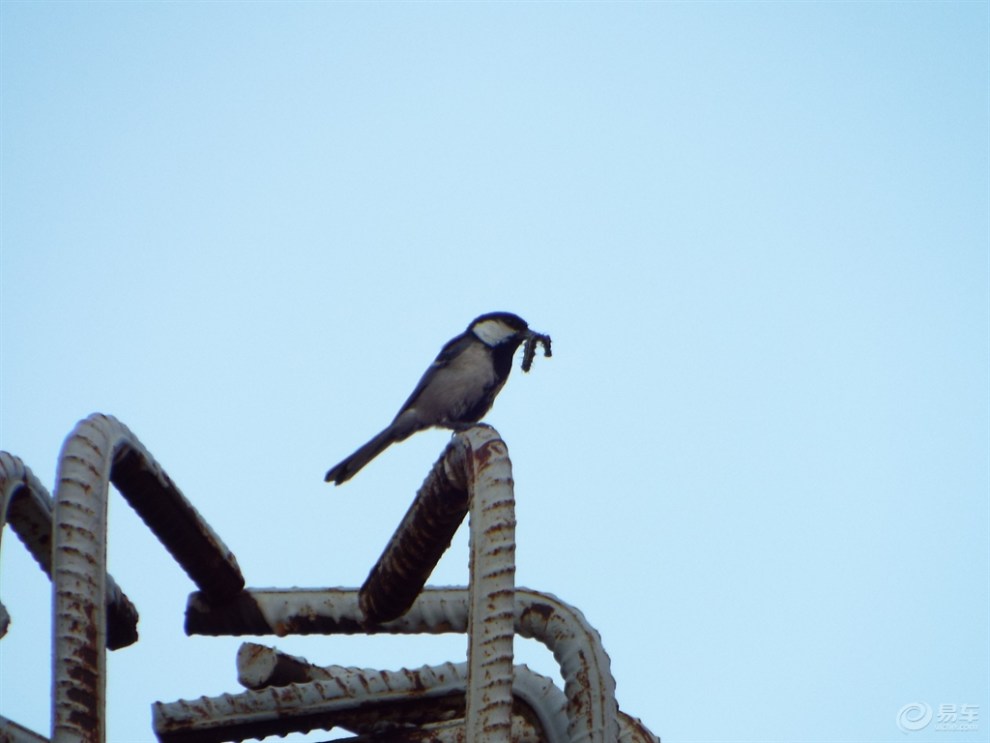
(491, 610)
(491, 592)
(259, 666)
(576, 645)
(99, 449)
(364, 701)
(79, 568)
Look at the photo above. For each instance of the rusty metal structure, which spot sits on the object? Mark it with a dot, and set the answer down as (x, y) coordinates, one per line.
(483, 699)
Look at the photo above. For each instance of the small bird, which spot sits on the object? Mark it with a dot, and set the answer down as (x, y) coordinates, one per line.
(457, 389)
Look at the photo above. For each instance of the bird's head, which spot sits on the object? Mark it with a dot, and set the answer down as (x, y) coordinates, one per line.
(505, 332)
(498, 328)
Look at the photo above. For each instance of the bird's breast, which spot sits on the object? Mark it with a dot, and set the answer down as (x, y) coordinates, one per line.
(462, 391)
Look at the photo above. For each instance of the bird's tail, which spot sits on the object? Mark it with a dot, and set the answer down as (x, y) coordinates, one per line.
(350, 466)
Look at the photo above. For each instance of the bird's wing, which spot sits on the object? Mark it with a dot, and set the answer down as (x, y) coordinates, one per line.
(450, 351)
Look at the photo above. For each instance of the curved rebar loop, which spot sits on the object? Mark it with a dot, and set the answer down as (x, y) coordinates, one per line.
(473, 473)
(588, 684)
(535, 696)
(259, 666)
(101, 450)
(26, 505)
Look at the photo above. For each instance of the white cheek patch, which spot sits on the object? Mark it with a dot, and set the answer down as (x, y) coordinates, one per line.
(493, 332)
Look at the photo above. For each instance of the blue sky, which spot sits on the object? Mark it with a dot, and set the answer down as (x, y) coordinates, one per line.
(757, 232)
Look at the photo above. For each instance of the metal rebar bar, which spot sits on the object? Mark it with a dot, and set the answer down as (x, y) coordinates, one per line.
(474, 471)
(632, 730)
(11, 732)
(401, 698)
(364, 701)
(534, 696)
(101, 450)
(420, 540)
(26, 505)
(575, 644)
(491, 593)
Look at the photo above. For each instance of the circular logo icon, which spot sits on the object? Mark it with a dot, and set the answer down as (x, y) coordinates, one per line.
(913, 717)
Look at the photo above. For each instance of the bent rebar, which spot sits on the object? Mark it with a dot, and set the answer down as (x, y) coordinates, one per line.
(101, 450)
(363, 701)
(575, 644)
(26, 505)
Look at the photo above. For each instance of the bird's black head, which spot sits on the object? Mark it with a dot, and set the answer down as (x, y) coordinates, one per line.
(497, 328)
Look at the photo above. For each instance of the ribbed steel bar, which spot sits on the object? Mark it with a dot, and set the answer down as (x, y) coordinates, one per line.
(79, 577)
(101, 450)
(11, 732)
(632, 730)
(26, 505)
(585, 667)
(420, 540)
(409, 697)
(361, 700)
(584, 664)
(535, 696)
(259, 666)
(491, 593)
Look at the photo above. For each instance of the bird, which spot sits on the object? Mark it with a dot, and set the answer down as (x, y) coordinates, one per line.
(457, 389)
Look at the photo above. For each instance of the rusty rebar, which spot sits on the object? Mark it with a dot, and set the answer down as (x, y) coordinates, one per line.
(420, 540)
(361, 700)
(575, 644)
(412, 697)
(474, 471)
(79, 577)
(176, 523)
(26, 505)
(534, 696)
(11, 732)
(491, 594)
(632, 730)
(100, 450)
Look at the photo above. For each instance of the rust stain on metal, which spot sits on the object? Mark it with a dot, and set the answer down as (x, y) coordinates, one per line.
(484, 453)
(422, 537)
(99, 451)
(253, 651)
(476, 462)
(86, 654)
(85, 676)
(543, 611)
(83, 722)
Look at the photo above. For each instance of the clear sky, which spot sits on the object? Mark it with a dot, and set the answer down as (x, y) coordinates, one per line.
(757, 232)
